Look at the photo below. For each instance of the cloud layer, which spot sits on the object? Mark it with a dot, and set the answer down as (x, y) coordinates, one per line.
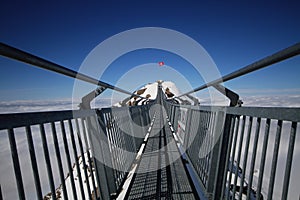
(46, 105)
(259, 101)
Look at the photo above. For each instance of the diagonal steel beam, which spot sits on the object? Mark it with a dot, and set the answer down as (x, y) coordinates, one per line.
(279, 56)
(17, 54)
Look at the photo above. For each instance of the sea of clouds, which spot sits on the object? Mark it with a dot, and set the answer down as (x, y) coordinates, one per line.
(21, 106)
(258, 101)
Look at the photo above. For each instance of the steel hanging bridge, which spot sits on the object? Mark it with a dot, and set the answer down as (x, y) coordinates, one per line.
(160, 150)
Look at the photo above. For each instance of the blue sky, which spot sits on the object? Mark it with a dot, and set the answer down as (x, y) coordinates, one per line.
(233, 33)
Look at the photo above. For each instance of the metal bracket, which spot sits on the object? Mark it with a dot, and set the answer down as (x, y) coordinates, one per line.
(86, 100)
(234, 97)
(123, 103)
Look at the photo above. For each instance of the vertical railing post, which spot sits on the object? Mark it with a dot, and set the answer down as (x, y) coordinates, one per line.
(35, 170)
(75, 154)
(289, 160)
(175, 118)
(88, 152)
(142, 124)
(99, 148)
(16, 163)
(59, 161)
(221, 162)
(68, 159)
(216, 130)
(187, 130)
(1, 196)
(171, 114)
(47, 161)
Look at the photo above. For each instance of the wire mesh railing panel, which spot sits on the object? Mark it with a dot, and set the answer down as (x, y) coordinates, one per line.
(123, 131)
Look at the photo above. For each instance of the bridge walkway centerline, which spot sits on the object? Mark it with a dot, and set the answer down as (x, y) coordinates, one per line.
(160, 173)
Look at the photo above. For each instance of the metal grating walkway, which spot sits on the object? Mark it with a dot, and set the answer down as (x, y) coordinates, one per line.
(155, 178)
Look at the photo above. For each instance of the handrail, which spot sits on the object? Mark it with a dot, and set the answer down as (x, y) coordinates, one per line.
(246, 131)
(17, 54)
(279, 56)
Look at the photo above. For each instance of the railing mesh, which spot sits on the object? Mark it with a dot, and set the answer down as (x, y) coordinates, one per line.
(259, 157)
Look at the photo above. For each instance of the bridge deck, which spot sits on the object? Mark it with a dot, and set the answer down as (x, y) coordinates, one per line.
(154, 177)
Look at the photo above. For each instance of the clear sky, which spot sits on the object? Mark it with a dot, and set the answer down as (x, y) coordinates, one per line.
(234, 33)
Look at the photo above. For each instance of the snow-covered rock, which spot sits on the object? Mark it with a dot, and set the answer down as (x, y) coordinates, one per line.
(149, 92)
(90, 172)
(233, 169)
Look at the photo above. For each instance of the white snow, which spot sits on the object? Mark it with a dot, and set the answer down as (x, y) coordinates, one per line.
(151, 89)
(171, 86)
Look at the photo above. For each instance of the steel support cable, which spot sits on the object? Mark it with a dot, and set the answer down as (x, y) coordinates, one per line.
(279, 56)
(17, 54)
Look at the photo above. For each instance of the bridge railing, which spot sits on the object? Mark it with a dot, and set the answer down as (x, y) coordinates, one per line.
(252, 158)
(80, 150)
(63, 135)
(123, 131)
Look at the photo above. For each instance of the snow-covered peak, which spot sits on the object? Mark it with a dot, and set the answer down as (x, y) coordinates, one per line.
(149, 92)
(168, 85)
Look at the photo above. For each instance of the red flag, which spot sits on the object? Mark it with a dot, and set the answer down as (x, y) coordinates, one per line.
(161, 63)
